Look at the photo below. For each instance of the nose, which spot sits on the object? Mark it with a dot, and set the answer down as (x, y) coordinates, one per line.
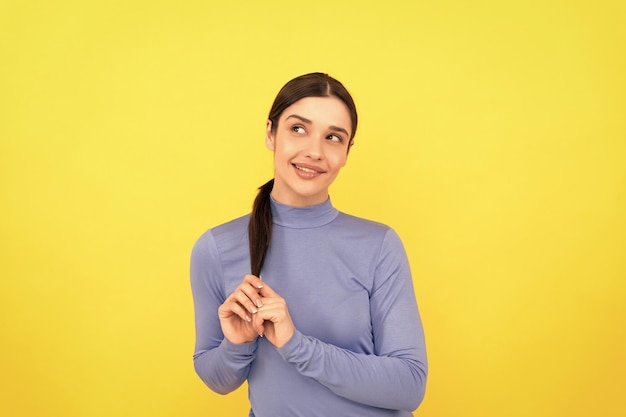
(314, 148)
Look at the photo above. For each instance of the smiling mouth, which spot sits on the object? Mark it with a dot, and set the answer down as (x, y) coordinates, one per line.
(308, 170)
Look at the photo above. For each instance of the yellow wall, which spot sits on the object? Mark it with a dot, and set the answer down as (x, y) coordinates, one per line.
(493, 138)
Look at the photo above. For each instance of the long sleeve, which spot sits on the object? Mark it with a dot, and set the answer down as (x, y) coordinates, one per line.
(394, 376)
(359, 346)
(223, 366)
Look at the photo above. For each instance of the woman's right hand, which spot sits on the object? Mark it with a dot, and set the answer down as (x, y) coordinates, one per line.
(236, 312)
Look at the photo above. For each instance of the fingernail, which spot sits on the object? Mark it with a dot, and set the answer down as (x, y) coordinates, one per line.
(259, 304)
(254, 311)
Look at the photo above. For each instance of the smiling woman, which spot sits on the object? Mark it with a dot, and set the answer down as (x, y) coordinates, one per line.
(310, 143)
(333, 327)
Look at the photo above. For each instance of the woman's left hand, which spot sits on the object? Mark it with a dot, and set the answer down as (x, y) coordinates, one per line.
(273, 317)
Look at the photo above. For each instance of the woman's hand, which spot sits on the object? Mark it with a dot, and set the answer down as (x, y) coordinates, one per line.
(240, 307)
(272, 319)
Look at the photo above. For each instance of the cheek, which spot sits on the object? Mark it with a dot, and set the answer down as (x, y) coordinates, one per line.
(338, 159)
(285, 146)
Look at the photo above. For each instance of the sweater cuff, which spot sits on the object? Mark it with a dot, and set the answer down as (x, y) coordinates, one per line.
(290, 349)
(239, 350)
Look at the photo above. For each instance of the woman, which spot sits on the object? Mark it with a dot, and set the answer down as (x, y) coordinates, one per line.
(313, 307)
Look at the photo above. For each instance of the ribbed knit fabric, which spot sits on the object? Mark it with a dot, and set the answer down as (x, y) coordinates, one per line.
(358, 349)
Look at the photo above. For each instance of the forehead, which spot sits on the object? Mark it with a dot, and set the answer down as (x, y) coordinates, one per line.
(324, 111)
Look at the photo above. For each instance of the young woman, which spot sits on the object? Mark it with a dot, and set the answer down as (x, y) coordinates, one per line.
(313, 307)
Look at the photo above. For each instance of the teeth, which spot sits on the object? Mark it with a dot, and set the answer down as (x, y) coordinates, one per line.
(304, 169)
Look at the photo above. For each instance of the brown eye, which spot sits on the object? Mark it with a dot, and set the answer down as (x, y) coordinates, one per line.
(297, 129)
(335, 138)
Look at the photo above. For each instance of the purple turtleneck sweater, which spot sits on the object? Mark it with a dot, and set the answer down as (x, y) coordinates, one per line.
(358, 348)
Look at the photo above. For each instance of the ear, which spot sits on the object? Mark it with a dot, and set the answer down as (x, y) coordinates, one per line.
(350, 145)
(269, 136)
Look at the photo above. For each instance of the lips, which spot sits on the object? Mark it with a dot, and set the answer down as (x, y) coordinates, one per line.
(307, 171)
(308, 168)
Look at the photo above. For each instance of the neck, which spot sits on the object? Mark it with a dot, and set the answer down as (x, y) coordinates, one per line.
(303, 217)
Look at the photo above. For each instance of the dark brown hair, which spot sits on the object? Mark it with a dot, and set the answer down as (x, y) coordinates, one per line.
(309, 85)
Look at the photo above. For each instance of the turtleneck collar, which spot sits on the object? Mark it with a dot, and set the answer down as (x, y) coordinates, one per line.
(303, 217)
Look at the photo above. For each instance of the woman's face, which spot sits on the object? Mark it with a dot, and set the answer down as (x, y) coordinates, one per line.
(310, 146)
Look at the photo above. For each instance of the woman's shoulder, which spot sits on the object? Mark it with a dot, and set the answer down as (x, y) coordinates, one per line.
(227, 234)
(352, 220)
(365, 235)
(364, 226)
(235, 225)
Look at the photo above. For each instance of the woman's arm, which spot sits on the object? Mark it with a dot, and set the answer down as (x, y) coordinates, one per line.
(222, 365)
(394, 377)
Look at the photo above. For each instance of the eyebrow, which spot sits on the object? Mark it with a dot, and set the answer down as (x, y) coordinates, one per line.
(308, 121)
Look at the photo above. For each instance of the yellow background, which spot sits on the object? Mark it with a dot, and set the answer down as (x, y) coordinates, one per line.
(493, 139)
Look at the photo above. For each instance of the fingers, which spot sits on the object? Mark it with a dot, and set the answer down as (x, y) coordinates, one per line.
(267, 291)
(247, 293)
(273, 320)
(244, 301)
(272, 306)
(232, 307)
(256, 303)
(254, 281)
(260, 286)
(248, 299)
(274, 310)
